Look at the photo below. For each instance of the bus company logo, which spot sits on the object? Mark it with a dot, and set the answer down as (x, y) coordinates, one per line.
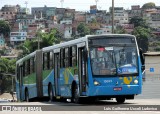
(6, 108)
(107, 81)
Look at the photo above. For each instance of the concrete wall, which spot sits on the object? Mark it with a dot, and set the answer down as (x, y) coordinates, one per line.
(152, 65)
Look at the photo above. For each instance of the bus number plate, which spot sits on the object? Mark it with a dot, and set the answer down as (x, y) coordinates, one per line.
(117, 88)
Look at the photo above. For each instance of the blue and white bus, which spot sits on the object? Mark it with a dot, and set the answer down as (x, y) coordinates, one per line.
(94, 66)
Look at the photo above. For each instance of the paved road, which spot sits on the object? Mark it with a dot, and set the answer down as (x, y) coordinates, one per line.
(76, 108)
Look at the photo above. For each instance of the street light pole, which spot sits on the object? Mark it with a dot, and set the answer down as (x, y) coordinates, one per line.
(112, 16)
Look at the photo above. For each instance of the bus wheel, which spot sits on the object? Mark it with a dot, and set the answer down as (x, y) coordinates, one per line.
(26, 96)
(75, 97)
(50, 93)
(120, 99)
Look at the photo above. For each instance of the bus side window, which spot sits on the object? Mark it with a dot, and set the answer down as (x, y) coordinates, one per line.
(25, 68)
(74, 56)
(23, 71)
(43, 60)
(66, 59)
(70, 57)
(48, 61)
(51, 60)
(62, 58)
(28, 66)
(33, 63)
(18, 73)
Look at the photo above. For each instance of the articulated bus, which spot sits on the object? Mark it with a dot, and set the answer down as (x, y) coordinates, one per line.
(95, 66)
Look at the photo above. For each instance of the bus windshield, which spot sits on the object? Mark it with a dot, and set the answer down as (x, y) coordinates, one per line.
(114, 60)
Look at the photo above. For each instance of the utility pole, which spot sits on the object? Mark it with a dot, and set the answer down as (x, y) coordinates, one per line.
(39, 32)
(26, 5)
(112, 16)
(61, 3)
(96, 4)
(38, 39)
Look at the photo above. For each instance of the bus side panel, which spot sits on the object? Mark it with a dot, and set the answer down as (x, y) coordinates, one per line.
(67, 76)
(17, 91)
(48, 77)
(29, 82)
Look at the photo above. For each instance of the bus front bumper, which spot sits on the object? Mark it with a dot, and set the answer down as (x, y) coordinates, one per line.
(114, 90)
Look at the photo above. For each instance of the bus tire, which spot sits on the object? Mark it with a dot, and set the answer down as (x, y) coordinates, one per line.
(75, 97)
(120, 99)
(50, 93)
(26, 95)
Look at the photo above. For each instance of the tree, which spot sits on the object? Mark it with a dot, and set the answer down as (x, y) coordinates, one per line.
(83, 29)
(148, 5)
(94, 21)
(138, 21)
(4, 27)
(120, 30)
(142, 34)
(46, 39)
(49, 39)
(7, 67)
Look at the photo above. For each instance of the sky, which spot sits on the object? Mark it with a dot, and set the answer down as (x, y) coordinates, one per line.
(79, 5)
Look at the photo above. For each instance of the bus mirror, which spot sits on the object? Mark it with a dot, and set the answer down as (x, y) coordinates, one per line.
(143, 68)
(141, 56)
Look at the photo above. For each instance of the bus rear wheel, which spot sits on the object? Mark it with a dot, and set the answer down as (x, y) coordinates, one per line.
(50, 93)
(26, 96)
(120, 99)
(75, 97)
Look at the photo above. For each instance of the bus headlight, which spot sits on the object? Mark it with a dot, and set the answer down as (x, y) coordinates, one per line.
(96, 83)
(135, 81)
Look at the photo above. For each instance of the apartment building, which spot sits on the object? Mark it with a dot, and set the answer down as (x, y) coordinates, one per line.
(120, 15)
(43, 12)
(17, 37)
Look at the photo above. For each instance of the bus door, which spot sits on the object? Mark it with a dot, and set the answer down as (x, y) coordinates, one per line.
(82, 66)
(57, 73)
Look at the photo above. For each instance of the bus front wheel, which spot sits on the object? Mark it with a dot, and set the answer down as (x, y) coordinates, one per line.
(120, 99)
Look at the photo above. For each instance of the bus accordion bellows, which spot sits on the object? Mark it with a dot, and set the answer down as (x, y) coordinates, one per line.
(94, 66)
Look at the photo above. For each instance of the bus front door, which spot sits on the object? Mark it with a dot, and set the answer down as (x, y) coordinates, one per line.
(82, 66)
(57, 74)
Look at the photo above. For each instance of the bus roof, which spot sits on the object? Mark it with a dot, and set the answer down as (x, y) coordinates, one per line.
(26, 57)
(75, 41)
(69, 43)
